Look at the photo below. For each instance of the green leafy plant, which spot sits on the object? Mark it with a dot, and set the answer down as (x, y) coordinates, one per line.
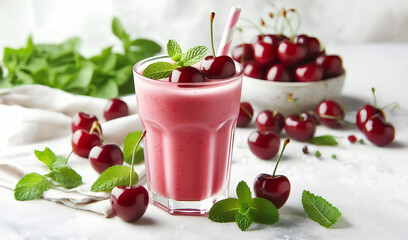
(244, 210)
(106, 75)
(33, 185)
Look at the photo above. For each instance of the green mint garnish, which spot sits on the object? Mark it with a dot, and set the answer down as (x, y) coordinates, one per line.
(159, 70)
(320, 210)
(129, 145)
(114, 176)
(325, 140)
(33, 185)
(361, 141)
(318, 154)
(244, 210)
(334, 156)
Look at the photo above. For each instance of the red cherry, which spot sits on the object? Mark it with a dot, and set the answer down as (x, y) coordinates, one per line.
(312, 45)
(310, 72)
(242, 53)
(115, 108)
(82, 142)
(218, 67)
(253, 69)
(273, 188)
(270, 121)
(331, 113)
(290, 53)
(245, 114)
(352, 138)
(129, 203)
(83, 121)
(264, 53)
(186, 75)
(332, 65)
(279, 73)
(264, 145)
(365, 113)
(378, 131)
(103, 157)
(270, 38)
(300, 127)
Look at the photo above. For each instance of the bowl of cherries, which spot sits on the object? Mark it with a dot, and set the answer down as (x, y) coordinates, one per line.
(276, 65)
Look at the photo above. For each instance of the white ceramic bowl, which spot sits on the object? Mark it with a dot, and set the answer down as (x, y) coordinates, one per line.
(269, 95)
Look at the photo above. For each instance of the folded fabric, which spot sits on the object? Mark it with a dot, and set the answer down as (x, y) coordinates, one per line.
(33, 117)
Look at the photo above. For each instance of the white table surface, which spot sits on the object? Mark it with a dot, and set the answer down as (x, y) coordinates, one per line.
(368, 184)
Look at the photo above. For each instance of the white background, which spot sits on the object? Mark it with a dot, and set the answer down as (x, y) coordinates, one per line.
(333, 21)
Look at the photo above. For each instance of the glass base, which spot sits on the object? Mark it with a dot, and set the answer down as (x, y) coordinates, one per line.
(186, 207)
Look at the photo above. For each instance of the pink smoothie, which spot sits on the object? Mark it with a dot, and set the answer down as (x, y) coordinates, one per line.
(190, 131)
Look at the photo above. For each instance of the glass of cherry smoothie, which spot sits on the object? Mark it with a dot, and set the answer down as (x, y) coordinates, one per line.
(189, 138)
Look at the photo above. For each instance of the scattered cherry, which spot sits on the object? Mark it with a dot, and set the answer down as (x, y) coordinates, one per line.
(186, 75)
(378, 131)
(115, 108)
(264, 145)
(82, 142)
(269, 121)
(83, 121)
(105, 156)
(275, 188)
(352, 138)
(129, 203)
(366, 113)
(305, 149)
(300, 127)
(331, 113)
(245, 114)
(310, 72)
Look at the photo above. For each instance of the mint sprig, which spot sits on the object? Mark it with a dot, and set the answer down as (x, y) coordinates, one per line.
(159, 70)
(33, 185)
(319, 209)
(244, 210)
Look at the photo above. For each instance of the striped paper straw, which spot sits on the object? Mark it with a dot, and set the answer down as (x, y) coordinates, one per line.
(229, 30)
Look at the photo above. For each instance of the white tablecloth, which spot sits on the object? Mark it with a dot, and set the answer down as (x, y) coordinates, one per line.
(368, 184)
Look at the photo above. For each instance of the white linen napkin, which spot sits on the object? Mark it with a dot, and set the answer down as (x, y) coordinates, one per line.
(33, 117)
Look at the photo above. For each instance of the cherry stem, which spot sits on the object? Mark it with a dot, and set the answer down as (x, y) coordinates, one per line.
(254, 25)
(212, 16)
(69, 155)
(290, 99)
(95, 125)
(133, 157)
(375, 98)
(292, 33)
(247, 112)
(287, 140)
(396, 104)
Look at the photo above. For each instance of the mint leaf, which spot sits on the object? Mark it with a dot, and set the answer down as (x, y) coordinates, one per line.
(174, 50)
(119, 30)
(243, 192)
(224, 210)
(263, 211)
(114, 176)
(243, 221)
(194, 55)
(318, 154)
(30, 187)
(66, 176)
(129, 145)
(59, 162)
(319, 210)
(46, 156)
(159, 70)
(325, 140)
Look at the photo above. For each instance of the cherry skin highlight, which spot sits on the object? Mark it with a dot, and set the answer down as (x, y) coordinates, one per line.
(279, 73)
(218, 67)
(270, 121)
(273, 188)
(186, 75)
(366, 113)
(82, 142)
(331, 113)
(300, 127)
(115, 108)
(105, 156)
(264, 145)
(253, 69)
(83, 121)
(242, 53)
(245, 115)
(378, 131)
(129, 203)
